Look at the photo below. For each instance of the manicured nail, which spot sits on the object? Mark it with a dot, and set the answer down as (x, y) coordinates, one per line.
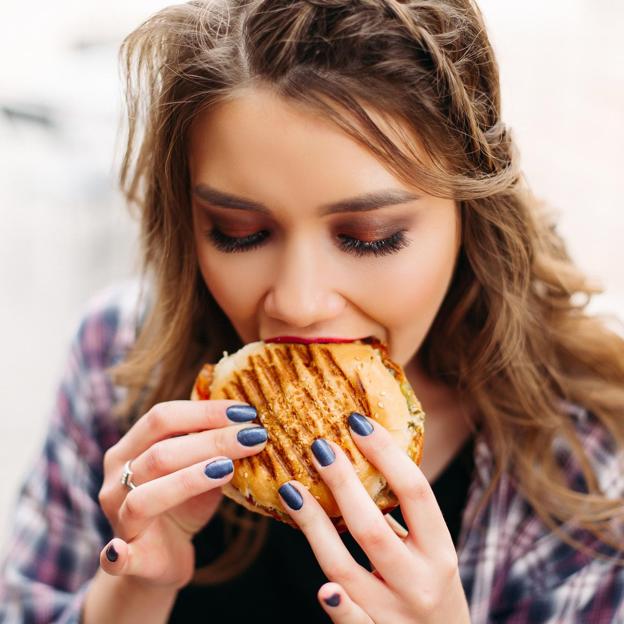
(292, 497)
(219, 468)
(241, 413)
(111, 554)
(252, 436)
(333, 600)
(360, 424)
(323, 452)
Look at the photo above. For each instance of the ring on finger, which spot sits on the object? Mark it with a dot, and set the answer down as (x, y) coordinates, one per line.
(126, 475)
(396, 526)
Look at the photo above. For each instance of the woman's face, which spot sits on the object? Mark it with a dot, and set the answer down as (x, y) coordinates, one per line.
(300, 231)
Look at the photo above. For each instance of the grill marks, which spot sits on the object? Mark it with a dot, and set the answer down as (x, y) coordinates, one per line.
(358, 393)
(291, 430)
(301, 393)
(267, 379)
(301, 390)
(359, 402)
(312, 411)
(343, 397)
(364, 404)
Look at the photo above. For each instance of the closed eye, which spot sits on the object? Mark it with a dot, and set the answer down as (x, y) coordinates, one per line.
(380, 247)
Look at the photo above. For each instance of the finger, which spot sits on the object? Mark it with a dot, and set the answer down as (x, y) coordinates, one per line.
(151, 499)
(118, 558)
(386, 551)
(113, 557)
(331, 553)
(420, 509)
(339, 606)
(172, 418)
(167, 456)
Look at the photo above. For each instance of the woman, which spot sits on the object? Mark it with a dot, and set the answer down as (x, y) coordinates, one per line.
(319, 169)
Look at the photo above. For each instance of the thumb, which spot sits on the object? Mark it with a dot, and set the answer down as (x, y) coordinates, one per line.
(115, 557)
(119, 558)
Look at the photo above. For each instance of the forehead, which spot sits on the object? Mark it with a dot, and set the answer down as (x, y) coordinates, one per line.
(278, 151)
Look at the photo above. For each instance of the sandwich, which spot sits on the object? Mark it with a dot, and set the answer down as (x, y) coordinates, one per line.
(303, 391)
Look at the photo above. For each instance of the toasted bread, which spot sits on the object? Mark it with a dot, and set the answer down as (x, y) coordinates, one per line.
(307, 391)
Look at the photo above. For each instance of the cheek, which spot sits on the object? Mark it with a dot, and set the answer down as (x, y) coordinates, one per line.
(235, 287)
(423, 279)
(408, 293)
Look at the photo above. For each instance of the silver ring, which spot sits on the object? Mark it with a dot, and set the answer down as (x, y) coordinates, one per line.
(126, 476)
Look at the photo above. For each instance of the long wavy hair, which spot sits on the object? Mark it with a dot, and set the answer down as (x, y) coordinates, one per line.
(513, 332)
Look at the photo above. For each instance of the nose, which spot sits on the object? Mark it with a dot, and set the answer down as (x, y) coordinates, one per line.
(302, 292)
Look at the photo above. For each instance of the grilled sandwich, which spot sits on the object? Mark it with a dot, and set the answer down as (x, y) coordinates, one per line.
(307, 391)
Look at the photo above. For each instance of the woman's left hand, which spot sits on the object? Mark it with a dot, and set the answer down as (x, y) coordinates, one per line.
(416, 579)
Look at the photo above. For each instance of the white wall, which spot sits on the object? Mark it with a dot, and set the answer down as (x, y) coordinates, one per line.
(64, 232)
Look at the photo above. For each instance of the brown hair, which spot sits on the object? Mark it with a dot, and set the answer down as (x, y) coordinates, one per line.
(512, 331)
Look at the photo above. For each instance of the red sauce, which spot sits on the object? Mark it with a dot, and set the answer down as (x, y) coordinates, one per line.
(203, 396)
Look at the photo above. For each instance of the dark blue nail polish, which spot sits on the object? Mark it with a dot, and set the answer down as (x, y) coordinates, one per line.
(111, 554)
(360, 424)
(292, 497)
(241, 413)
(252, 436)
(219, 468)
(333, 600)
(323, 452)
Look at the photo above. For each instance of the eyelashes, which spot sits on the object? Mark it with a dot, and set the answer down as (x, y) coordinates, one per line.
(353, 246)
(381, 247)
(230, 244)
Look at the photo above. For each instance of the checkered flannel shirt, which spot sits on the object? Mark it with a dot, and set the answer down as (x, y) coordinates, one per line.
(513, 568)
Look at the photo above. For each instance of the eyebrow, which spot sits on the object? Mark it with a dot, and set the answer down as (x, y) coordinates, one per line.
(361, 203)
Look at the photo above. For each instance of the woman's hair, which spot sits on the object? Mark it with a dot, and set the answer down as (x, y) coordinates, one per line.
(512, 332)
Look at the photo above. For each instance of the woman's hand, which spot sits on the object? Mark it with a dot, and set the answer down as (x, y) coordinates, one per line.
(416, 579)
(178, 485)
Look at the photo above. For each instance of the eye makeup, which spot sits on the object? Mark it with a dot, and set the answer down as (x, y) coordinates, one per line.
(354, 246)
(356, 236)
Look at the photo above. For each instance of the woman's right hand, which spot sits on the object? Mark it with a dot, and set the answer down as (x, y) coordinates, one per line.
(178, 479)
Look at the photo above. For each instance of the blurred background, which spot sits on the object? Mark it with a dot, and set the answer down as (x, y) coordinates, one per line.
(65, 233)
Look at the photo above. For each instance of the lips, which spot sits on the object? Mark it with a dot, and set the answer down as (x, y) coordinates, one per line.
(313, 340)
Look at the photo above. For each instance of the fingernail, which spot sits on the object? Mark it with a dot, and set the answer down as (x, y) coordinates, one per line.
(323, 452)
(252, 436)
(360, 424)
(292, 497)
(241, 413)
(333, 600)
(219, 468)
(111, 554)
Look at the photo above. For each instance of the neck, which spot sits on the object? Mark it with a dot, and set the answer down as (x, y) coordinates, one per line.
(448, 419)
(432, 393)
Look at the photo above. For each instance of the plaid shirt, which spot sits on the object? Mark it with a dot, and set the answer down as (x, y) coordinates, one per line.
(512, 567)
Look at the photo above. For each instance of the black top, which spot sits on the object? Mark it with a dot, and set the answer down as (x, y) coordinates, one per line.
(281, 585)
